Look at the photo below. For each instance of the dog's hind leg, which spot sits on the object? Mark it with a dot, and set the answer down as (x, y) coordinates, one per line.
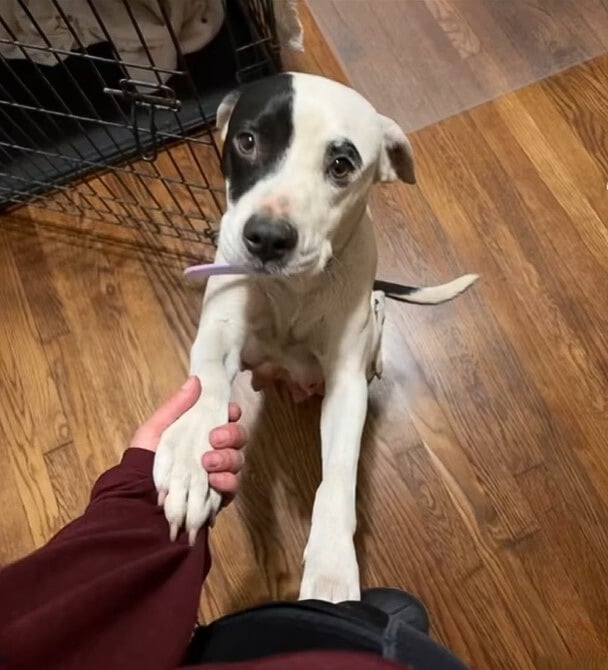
(215, 358)
(378, 305)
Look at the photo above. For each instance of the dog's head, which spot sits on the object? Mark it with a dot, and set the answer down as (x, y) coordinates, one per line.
(299, 157)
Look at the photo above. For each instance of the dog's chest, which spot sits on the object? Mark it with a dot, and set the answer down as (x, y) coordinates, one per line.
(283, 344)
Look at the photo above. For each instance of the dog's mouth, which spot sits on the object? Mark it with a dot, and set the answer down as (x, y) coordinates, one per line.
(283, 269)
(308, 262)
(310, 258)
(257, 267)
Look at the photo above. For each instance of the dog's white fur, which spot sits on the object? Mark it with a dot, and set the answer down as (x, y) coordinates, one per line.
(317, 317)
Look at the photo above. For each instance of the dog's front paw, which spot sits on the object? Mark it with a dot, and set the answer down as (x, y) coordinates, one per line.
(179, 475)
(331, 572)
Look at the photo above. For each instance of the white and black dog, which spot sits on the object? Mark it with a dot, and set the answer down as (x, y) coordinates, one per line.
(300, 155)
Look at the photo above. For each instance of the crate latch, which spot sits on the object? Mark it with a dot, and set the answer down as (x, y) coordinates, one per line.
(151, 97)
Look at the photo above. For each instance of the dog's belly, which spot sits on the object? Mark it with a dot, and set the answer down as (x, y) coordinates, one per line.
(293, 365)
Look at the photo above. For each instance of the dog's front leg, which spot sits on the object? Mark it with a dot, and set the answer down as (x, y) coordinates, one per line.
(178, 471)
(331, 571)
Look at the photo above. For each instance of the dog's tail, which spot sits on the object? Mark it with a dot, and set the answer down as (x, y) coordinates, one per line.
(425, 295)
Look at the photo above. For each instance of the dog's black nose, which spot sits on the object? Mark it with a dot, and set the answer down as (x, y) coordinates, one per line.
(269, 239)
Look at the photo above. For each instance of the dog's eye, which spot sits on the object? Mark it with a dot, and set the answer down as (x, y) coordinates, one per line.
(340, 168)
(245, 143)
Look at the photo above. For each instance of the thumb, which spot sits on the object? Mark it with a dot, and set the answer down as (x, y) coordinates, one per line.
(149, 433)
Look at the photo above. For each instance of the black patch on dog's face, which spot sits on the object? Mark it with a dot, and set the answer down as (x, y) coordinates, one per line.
(264, 110)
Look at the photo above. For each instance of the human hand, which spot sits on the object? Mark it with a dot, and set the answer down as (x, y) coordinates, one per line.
(225, 462)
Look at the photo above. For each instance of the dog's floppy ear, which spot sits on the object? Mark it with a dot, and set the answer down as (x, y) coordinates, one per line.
(396, 156)
(224, 112)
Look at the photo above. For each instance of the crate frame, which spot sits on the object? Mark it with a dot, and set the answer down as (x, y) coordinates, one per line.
(151, 164)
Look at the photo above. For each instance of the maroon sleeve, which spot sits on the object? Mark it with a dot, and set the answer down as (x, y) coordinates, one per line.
(110, 590)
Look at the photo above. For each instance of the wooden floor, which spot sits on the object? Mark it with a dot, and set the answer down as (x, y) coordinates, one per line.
(424, 60)
(484, 475)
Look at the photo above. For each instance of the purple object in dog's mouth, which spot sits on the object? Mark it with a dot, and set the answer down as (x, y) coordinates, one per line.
(209, 269)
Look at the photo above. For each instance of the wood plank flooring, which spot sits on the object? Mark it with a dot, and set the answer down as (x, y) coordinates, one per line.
(424, 60)
(484, 479)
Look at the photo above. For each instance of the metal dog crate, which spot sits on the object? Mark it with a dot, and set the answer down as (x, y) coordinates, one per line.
(86, 133)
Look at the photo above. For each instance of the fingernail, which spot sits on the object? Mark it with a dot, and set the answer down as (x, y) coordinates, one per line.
(188, 383)
(213, 461)
(221, 437)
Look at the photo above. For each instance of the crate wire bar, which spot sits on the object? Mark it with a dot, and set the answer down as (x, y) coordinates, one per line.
(80, 136)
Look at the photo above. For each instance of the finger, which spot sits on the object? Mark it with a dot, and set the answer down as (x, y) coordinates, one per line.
(228, 460)
(229, 436)
(225, 483)
(168, 412)
(234, 412)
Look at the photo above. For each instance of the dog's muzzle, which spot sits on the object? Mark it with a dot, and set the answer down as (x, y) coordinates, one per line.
(269, 239)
